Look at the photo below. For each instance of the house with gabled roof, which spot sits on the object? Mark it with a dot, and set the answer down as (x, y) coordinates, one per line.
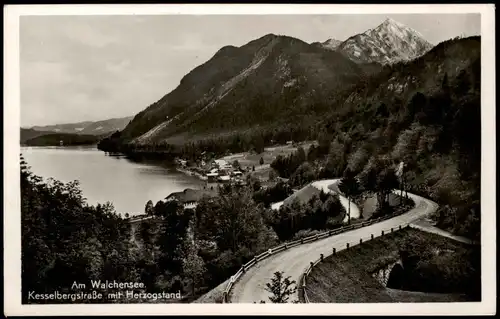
(189, 197)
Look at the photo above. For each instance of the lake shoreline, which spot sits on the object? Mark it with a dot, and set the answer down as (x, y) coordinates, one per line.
(125, 183)
(189, 172)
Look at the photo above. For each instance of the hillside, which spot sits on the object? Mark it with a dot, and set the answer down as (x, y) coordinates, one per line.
(426, 113)
(441, 276)
(27, 134)
(55, 139)
(88, 127)
(271, 80)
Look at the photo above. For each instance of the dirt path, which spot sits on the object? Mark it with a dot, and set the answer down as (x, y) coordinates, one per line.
(427, 226)
(250, 287)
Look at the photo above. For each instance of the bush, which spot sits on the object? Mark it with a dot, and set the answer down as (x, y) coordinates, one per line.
(306, 233)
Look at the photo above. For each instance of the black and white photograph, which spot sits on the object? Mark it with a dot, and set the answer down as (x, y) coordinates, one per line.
(175, 155)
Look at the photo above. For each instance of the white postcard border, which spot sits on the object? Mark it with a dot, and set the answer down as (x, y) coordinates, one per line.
(12, 229)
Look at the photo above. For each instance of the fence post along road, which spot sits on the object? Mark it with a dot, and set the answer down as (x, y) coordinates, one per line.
(294, 258)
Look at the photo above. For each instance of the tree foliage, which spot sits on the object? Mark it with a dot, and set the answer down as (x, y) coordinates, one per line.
(149, 209)
(349, 186)
(387, 181)
(318, 213)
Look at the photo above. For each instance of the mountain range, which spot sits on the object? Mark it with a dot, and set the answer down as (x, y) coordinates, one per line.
(269, 81)
(85, 128)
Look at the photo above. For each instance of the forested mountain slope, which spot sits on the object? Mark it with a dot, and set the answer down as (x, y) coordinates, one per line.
(426, 113)
(270, 80)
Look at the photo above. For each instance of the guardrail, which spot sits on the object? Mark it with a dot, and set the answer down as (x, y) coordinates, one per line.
(234, 278)
(312, 264)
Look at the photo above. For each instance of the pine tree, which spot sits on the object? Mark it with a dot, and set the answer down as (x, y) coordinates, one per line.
(149, 209)
(281, 288)
(193, 266)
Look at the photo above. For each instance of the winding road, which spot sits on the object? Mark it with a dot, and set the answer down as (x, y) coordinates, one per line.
(294, 261)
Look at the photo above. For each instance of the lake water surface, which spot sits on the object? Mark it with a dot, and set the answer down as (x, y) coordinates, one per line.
(126, 184)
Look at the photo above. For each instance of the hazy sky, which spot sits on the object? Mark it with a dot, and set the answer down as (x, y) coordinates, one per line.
(83, 68)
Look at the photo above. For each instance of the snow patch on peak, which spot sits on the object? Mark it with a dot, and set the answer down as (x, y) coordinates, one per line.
(398, 27)
(390, 21)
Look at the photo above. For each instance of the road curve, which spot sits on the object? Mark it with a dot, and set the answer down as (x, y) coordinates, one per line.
(294, 261)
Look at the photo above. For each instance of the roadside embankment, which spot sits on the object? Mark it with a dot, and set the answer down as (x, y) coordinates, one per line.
(348, 276)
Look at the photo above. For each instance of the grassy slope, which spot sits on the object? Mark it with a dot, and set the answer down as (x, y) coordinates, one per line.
(345, 278)
(215, 295)
(303, 195)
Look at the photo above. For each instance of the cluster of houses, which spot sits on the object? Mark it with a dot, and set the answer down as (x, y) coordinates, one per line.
(220, 171)
(217, 171)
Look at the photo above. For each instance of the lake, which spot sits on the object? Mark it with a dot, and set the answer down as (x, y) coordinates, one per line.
(126, 184)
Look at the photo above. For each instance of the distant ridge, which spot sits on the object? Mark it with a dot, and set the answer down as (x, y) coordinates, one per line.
(87, 127)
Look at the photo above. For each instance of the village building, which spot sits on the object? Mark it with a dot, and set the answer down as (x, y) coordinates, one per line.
(239, 182)
(212, 177)
(189, 197)
(237, 173)
(224, 179)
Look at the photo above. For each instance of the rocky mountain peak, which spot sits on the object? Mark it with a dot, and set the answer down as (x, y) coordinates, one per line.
(331, 44)
(389, 42)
